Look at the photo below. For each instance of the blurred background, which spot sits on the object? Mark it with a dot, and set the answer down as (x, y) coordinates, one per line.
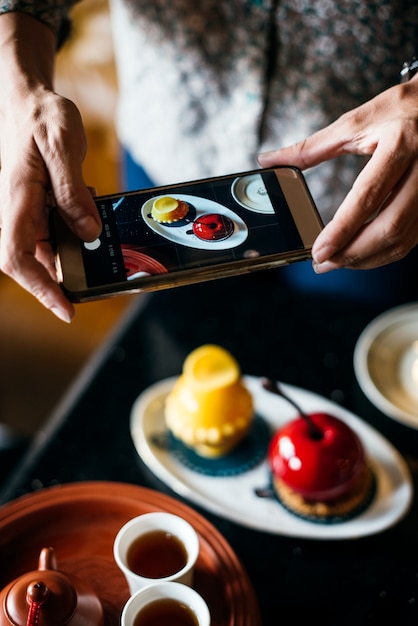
(41, 356)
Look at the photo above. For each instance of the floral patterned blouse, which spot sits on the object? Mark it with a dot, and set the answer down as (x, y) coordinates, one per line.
(206, 85)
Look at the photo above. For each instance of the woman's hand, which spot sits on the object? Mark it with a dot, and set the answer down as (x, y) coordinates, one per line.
(42, 147)
(377, 223)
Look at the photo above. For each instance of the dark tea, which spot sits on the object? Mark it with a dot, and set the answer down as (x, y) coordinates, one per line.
(156, 554)
(166, 612)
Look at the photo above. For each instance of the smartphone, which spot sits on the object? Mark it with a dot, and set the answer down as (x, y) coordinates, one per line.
(180, 234)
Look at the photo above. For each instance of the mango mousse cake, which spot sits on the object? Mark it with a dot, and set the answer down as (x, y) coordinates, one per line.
(209, 409)
(167, 210)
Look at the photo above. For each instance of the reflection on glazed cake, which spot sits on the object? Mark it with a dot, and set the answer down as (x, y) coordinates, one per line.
(167, 210)
(213, 227)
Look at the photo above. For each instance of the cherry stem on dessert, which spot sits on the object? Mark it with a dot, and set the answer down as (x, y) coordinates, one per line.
(274, 387)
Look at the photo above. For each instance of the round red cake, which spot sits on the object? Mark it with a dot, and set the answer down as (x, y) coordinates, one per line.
(319, 468)
(213, 227)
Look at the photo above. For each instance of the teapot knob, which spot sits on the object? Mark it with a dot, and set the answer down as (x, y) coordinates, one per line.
(37, 593)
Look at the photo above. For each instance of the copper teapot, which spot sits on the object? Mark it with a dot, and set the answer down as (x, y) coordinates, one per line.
(47, 597)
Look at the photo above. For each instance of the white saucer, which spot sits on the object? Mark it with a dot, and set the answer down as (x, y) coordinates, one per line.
(180, 234)
(234, 497)
(386, 363)
(250, 192)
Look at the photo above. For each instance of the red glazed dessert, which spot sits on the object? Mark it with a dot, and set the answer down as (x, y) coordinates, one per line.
(319, 469)
(213, 227)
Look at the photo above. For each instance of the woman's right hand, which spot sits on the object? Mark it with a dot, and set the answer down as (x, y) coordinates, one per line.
(42, 148)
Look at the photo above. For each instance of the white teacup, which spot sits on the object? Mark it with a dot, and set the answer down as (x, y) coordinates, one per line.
(156, 547)
(194, 609)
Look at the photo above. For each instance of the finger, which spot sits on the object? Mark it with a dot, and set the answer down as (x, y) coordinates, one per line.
(76, 206)
(390, 236)
(354, 132)
(34, 277)
(375, 183)
(44, 254)
(19, 251)
(323, 145)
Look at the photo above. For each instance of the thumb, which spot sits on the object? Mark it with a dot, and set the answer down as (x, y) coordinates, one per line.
(77, 207)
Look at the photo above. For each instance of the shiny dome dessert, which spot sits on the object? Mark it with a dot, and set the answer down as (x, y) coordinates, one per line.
(167, 210)
(319, 468)
(209, 408)
(213, 227)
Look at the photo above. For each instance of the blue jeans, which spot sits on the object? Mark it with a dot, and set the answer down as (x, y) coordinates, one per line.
(133, 175)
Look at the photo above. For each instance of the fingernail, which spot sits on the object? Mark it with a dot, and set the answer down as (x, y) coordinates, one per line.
(263, 155)
(323, 253)
(62, 314)
(323, 268)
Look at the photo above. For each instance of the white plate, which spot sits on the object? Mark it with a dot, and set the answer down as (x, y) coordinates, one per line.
(250, 192)
(234, 497)
(179, 234)
(386, 363)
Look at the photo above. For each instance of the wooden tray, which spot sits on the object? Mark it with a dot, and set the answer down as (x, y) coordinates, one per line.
(81, 520)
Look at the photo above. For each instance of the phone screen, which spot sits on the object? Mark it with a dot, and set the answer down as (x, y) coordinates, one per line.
(191, 225)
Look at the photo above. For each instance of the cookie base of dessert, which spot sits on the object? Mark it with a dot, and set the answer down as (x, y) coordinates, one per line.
(333, 512)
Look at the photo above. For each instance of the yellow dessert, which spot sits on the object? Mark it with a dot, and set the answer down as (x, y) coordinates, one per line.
(167, 210)
(209, 408)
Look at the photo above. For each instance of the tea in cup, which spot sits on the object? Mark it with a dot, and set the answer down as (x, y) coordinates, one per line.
(156, 547)
(166, 604)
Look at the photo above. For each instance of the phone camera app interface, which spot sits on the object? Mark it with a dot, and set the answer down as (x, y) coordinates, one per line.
(189, 226)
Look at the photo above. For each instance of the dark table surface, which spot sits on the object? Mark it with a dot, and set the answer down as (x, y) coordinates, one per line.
(305, 340)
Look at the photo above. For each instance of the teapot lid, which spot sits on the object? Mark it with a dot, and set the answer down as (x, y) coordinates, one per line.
(47, 597)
